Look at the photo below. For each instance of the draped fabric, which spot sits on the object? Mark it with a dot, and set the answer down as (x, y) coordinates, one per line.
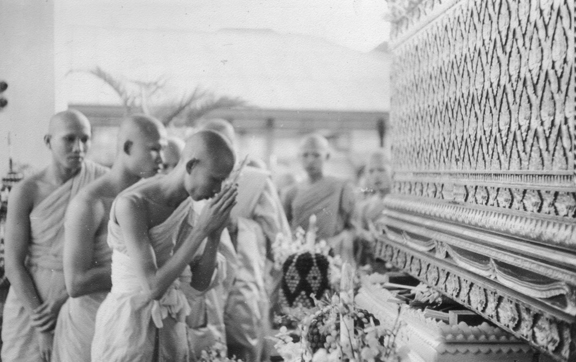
(44, 262)
(129, 325)
(238, 312)
(330, 199)
(75, 327)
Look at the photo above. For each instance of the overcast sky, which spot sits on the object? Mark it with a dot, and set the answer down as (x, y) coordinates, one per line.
(356, 24)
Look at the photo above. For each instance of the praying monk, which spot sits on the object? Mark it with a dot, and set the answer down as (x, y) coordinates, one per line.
(35, 238)
(254, 224)
(156, 240)
(87, 257)
(329, 198)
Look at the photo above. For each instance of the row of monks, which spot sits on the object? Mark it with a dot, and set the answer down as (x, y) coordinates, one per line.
(153, 260)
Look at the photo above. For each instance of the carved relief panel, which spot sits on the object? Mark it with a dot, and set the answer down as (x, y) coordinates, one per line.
(484, 199)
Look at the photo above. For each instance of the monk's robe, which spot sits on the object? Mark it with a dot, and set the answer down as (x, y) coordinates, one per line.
(332, 201)
(75, 327)
(260, 219)
(130, 326)
(208, 328)
(238, 312)
(44, 263)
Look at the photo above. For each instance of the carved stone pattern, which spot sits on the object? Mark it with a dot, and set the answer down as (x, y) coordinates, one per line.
(453, 285)
(545, 230)
(415, 266)
(432, 275)
(546, 334)
(478, 298)
(487, 86)
(526, 322)
(557, 203)
(539, 329)
(492, 304)
(508, 313)
(465, 291)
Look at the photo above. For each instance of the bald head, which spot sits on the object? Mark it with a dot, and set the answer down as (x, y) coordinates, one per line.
(67, 119)
(221, 126)
(68, 139)
(172, 153)
(141, 141)
(313, 152)
(139, 126)
(315, 141)
(207, 145)
(207, 159)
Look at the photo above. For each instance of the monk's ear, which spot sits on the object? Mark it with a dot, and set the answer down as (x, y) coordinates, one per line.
(47, 139)
(190, 165)
(127, 147)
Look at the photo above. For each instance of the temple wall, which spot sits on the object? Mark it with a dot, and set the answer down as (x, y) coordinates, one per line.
(483, 130)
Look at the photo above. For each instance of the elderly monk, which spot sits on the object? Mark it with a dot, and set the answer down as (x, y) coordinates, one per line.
(254, 224)
(329, 198)
(87, 257)
(172, 154)
(369, 210)
(156, 237)
(35, 239)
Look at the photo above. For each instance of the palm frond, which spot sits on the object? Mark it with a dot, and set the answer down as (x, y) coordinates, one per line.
(211, 104)
(168, 112)
(117, 84)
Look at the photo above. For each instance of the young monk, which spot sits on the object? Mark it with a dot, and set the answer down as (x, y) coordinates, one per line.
(329, 198)
(254, 224)
(155, 237)
(87, 257)
(35, 238)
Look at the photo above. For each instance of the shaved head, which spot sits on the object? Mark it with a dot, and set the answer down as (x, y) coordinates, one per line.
(141, 142)
(221, 126)
(313, 152)
(68, 139)
(207, 159)
(315, 140)
(139, 126)
(63, 121)
(172, 153)
(208, 145)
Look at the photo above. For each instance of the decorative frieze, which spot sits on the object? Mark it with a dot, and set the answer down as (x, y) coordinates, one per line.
(541, 327)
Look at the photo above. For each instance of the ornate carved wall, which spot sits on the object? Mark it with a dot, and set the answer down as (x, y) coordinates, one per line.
(484, 199)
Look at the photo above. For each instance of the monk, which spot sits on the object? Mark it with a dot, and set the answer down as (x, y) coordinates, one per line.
(329, 198)
(254, 224)
(172, 154)
(35, 238)
(87, 257)
(369, 211)
(157, 240)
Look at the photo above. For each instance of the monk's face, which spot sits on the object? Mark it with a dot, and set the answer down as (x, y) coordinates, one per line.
(147, 153)
(312, 156)
(69, 141)
(204, 179)
(377, 174)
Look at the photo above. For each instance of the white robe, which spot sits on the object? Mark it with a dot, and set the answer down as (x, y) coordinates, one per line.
(129, 325)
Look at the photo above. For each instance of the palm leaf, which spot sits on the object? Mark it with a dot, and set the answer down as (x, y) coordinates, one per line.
(167, 113)
(209, 105)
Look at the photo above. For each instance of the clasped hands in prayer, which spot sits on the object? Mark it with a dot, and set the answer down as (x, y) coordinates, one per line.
(215, 215)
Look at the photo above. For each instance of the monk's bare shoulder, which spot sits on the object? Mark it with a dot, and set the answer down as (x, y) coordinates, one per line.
(29, 191)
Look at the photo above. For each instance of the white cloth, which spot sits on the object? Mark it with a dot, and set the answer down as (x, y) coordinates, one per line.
(129, 325)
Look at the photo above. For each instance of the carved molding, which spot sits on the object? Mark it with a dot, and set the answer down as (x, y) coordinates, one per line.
(547, 230)
(542, 327)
